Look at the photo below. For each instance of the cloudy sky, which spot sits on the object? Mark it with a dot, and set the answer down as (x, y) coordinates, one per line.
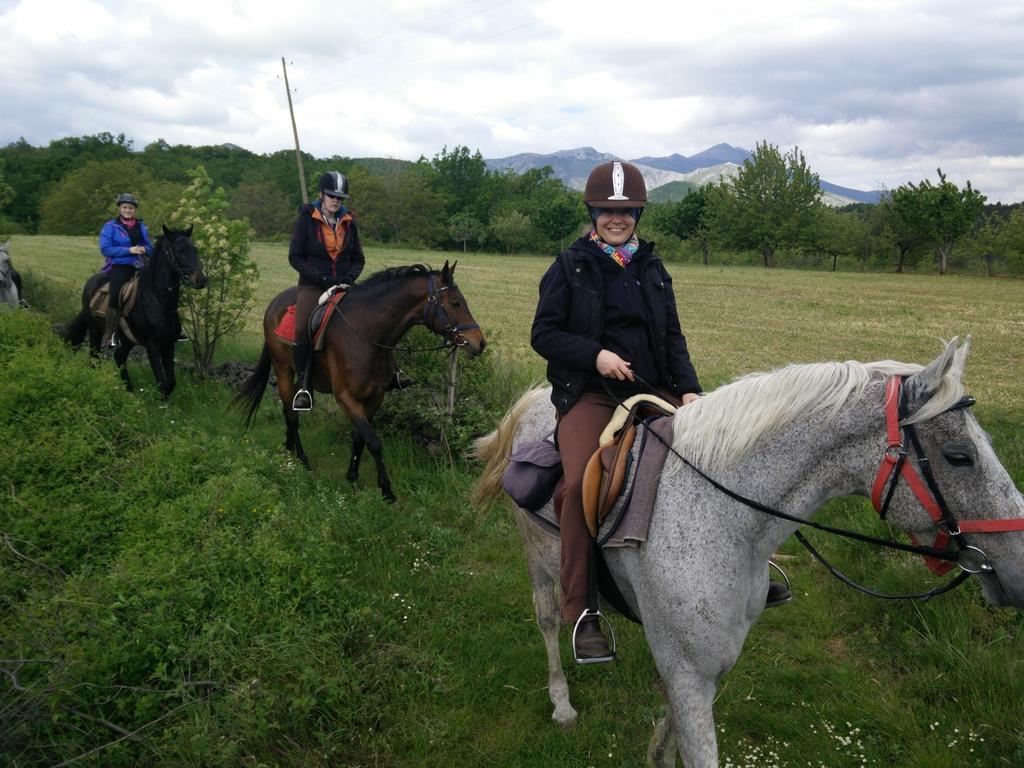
(876, 93)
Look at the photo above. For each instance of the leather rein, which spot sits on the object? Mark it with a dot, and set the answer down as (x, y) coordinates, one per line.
(451, 333)
(939, 557)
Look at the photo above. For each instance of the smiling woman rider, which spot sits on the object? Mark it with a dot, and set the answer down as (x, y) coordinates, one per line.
(607, 324)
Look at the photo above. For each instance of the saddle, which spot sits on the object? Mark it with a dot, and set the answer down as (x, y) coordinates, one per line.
(99, 304)
(318, 320)
(606, 470)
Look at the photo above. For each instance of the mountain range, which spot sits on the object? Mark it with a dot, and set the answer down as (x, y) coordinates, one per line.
(668, 178)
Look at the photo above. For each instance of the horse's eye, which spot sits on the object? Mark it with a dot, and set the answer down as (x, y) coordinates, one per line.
(958, 458)
(456, 303)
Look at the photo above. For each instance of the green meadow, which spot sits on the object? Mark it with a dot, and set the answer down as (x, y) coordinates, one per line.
(178, 592)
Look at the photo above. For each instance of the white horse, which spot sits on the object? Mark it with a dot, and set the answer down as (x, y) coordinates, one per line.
(10, 280)
(791, 440)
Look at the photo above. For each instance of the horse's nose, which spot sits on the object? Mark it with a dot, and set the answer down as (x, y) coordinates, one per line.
(200, 280)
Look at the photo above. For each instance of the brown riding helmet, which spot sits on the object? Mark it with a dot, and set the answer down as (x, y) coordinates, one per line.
(616, 184)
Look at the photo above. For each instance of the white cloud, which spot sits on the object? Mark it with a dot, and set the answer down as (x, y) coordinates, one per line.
(870, 90)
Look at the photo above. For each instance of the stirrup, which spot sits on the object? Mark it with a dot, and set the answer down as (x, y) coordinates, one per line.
(783, 597)
(182, 336)
(305, 403)
(114, 342)
(598, 616)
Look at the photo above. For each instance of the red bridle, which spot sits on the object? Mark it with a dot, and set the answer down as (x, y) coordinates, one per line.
(895, 465)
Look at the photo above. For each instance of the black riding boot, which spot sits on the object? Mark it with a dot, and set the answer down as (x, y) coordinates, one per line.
(778, 594)
(110, 329)
(303, 400)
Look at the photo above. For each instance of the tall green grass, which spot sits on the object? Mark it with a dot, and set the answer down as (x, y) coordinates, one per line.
(165, 573)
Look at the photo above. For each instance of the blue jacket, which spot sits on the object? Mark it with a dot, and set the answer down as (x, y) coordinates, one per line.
(115, 242)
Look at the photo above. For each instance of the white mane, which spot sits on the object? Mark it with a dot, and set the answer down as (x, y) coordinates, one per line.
(726, 424)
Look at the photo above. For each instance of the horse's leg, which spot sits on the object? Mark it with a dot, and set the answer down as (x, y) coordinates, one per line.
(662, 751)
(121, 360)
(361, 421)
(167, 358)
(358, 443)
(286, 391)
(156, 363)
(691, 694)
(95, 336)
(542, 558)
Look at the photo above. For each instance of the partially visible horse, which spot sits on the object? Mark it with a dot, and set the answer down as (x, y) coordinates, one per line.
(790, 440)
(10, 280)
(153, 321)
(357, 360)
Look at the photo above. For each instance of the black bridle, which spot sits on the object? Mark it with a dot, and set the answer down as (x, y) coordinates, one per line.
(451, 331)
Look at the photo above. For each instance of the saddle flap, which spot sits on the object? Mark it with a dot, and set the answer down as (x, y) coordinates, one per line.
(604, 476)
(99, 304)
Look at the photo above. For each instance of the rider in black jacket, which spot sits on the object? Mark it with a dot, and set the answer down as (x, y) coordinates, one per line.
(325, 251)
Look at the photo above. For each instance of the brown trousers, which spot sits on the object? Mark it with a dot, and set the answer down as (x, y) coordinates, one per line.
(578, 433)
(577, 436)
(305, 302)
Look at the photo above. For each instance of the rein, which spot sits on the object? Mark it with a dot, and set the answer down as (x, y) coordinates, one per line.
(450, 333)
(894, 465)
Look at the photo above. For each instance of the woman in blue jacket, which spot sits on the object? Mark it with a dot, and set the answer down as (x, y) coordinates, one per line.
(125, 244)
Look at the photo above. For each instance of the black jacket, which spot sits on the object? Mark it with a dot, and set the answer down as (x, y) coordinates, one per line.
(309, 257)
(581, 291)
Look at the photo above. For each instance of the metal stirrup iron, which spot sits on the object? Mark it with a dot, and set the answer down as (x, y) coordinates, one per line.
(593, 613)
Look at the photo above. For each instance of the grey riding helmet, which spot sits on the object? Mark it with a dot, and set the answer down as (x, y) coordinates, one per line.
(126, 198)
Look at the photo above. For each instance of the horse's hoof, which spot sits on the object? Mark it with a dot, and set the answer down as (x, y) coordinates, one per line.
(390, 498)
(565, 718)
(352, 477)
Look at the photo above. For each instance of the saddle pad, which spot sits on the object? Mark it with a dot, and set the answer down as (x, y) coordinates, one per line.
(317, 321)
(630, 516)
(100, 301)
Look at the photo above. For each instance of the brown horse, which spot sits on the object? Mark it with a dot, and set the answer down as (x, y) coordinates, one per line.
(357, 363)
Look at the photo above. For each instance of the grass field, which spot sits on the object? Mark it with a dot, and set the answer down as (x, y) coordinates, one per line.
(410, 641)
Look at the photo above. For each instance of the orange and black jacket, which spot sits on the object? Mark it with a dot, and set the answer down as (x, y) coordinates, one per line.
(309, 255)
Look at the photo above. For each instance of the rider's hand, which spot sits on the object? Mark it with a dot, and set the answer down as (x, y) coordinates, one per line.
(690, 397)
(611, 366)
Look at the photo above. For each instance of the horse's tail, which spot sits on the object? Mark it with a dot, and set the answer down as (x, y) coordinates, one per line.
(254, 387)
(496, 448)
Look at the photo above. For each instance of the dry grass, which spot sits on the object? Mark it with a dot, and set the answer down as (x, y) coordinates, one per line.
(736, 319)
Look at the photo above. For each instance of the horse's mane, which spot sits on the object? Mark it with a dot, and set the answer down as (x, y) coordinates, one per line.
(394, 273)
(726, 424)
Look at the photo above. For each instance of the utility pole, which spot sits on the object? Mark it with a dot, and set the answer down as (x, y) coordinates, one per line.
(295, 132)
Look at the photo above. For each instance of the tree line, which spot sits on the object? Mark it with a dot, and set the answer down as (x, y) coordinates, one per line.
(772, 211)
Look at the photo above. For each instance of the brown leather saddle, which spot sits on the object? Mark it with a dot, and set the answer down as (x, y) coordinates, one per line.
(605, 473)
(99, 304)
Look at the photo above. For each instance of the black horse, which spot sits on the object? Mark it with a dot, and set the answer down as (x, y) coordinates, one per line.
(153, 320)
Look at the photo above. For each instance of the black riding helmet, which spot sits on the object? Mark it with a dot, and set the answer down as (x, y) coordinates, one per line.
(334, 184)
(126, 198)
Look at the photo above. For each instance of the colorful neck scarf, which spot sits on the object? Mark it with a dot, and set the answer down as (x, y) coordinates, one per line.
(622, 254)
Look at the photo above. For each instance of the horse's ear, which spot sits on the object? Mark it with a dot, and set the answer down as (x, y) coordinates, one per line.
(950, 363)
(452, 270)
(446, 273)
(167, 232)
(6, 245)
(188, 232)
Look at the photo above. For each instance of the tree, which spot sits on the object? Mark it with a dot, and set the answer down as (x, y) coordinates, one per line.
(938, 215)
(686, 219)
(840, 234)
(774, 202)
(558, 215)
(464, 226)
(460, 178)
(269, 211)
(84, 199)
(401, 204)
(223, 246)
(511, 228)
